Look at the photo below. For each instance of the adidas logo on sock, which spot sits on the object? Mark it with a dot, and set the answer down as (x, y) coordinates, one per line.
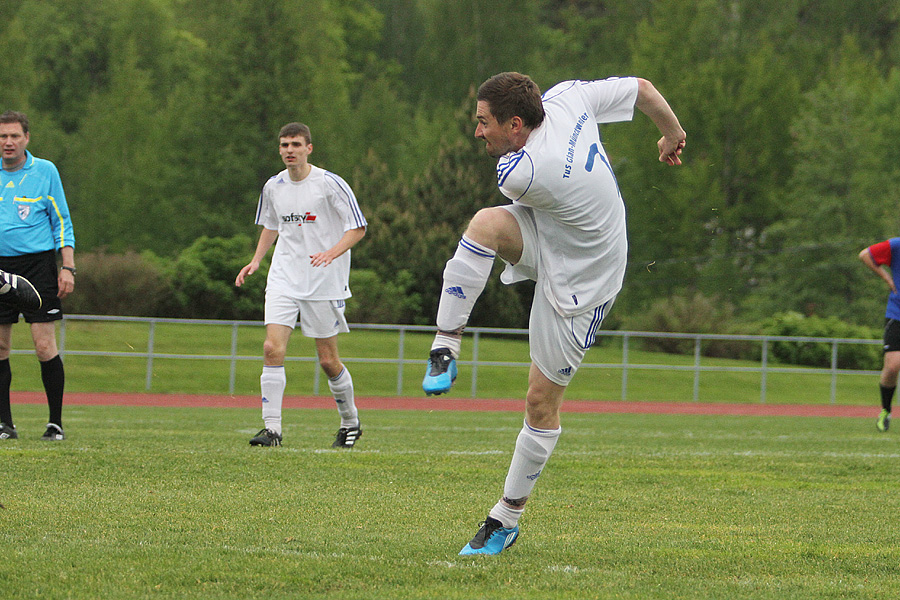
(456, 291)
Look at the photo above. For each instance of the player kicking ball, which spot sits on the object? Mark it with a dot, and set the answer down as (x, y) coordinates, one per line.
(315, 218)
(565, 229)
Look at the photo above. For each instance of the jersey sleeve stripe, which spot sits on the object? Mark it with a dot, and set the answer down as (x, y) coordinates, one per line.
(347, 193)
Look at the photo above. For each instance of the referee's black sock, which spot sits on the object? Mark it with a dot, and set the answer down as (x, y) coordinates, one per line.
(887, 395)
(5, 381)
(54, 378)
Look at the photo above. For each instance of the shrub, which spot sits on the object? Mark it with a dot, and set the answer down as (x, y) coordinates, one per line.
(695, 314)
(126, 284)
(818, 354)
(377, 301)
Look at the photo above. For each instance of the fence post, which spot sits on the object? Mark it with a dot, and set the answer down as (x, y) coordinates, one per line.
(697, 368)
(475, 338)
(149, 381)
(401, 352)
(234, 335)
(834, 362)
(624, 367)
(764, 369)
(62, 338)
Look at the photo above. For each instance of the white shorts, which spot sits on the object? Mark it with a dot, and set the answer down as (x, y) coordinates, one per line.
(318, 318)
(557, 343)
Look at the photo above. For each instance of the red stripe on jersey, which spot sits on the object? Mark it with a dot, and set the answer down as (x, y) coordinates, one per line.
(881, 253)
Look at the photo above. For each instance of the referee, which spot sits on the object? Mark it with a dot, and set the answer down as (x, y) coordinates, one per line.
(34, 226)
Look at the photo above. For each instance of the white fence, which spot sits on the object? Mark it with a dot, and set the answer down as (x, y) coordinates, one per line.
(398, 358)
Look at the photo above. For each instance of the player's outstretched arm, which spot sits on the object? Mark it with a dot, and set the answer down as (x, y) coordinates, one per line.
(651, 103)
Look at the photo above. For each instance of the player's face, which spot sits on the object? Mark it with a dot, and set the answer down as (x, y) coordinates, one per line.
(294, 151)
(13, 141)
(497, 136)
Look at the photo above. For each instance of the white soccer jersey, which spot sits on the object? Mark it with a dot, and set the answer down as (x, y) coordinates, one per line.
(564, 175)
(310, 216)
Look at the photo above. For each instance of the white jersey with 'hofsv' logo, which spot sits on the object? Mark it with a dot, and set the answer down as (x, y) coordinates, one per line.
(310, 216)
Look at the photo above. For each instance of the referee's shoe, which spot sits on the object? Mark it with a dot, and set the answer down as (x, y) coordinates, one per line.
(16, 291)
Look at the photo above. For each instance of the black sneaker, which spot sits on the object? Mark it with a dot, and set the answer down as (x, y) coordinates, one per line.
(8, 432)
(54, 433)
(18, 292)
(266, 437)
(346, 437)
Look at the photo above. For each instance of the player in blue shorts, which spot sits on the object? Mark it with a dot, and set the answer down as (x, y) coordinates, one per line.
(877, 257)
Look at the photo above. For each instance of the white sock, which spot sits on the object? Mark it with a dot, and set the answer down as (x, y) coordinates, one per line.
(342, 390)
(533, 450)
(272, 383)
(451, 342)
(464, 279)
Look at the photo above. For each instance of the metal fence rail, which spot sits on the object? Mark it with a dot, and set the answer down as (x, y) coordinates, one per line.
(399, 359)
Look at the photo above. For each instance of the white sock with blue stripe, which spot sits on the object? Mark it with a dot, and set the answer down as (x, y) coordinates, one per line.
(342, 389)
(533, 450)
(465, 276)
(272, 383)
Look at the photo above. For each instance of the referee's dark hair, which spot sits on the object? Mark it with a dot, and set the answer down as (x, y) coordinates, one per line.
(12, 116)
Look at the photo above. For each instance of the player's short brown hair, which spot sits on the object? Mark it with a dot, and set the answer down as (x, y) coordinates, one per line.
(295, 130)
(511, 95)
(12, 116)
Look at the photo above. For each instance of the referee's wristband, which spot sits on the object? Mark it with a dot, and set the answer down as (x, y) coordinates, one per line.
(70, 269)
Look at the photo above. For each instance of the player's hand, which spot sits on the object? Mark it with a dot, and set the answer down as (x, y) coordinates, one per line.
(320, 259)
(670, 150)
(245, 272)
(65, 282)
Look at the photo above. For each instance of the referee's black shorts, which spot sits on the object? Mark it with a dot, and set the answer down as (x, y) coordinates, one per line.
(40, 270)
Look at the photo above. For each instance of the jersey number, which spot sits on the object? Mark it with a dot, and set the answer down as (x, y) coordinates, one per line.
(593, 153)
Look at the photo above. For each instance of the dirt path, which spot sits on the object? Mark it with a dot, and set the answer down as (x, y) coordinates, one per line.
(461, 404)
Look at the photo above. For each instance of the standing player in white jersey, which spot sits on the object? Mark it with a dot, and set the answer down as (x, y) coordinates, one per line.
(565, 229)
(316, 219)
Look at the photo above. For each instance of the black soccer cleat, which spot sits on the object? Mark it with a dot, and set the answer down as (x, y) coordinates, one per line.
(8, 432)
(54, 433)
(266, 437)
(16, 291)
(346, 437)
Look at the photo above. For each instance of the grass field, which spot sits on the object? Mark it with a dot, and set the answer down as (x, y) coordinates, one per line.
(173, 503)
(171, 375)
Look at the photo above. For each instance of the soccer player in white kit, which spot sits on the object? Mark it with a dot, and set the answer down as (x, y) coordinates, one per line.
(315, 218)
(565, 229)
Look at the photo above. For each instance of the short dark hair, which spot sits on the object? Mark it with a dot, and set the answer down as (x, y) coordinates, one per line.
(295, 130)
(12, 116)
(512, 94)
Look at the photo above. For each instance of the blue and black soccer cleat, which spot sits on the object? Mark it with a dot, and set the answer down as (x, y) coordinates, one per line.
(440, 373)
(492, 538)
